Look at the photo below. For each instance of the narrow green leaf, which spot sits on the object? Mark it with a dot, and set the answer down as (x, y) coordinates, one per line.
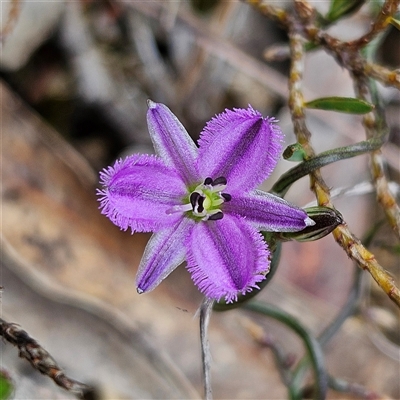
(328, 157)
(341, 104)
(341, 8)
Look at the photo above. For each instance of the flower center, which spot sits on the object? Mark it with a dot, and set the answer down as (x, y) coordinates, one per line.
(207, 198)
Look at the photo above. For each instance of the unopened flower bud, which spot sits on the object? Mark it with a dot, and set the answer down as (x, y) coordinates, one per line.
(294, 152)
(326, 220)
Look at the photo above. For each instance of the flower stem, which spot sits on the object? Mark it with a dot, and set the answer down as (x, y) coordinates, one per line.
(205, 313)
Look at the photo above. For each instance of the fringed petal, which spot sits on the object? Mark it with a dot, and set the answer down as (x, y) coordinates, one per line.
(172, 142)
(163, 253)
(139, 191)
(240, 145)
(226, 257)
(268, 212)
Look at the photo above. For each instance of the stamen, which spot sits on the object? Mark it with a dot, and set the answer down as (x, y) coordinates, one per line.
(200, 202)
(215, 217)
(220, 181)
(206, 199)
(193, 199)
(226, 196)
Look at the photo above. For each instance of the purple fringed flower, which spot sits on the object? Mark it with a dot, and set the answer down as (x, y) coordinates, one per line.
(201, 202)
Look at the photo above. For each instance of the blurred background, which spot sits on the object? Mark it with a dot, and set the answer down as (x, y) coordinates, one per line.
(75, 77)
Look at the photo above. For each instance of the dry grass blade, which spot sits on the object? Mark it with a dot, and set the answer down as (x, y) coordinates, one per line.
(221, 48)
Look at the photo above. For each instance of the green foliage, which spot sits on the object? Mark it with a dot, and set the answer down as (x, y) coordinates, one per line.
(6, 387)
(283, 184)
(348, 105)
(342, 8)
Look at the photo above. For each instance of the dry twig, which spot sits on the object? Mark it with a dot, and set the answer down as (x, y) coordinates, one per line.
(40, 358)
(300, 25)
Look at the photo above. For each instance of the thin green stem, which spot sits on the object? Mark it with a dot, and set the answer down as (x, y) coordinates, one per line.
(346, 311)
(340, 385)
(349, 308)
(311, 344)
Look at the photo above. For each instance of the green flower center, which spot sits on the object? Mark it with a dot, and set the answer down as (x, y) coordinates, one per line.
(207, 198)
(204, 202)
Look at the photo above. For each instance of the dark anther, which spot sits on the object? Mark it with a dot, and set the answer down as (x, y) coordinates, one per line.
(216, 216)
(226, 196)
(200, 202)
(193, 199)
(219, 181)
(208, 181)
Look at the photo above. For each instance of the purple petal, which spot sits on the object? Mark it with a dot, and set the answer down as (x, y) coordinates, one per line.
(268, 212)
(226, 257)
(240, 145)
(172, 142)
(164, 252)
(138, 193)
